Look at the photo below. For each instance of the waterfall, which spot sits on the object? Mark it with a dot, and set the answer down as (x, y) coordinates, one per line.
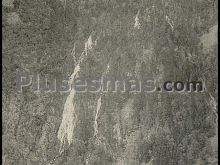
(68, 121)
(214, 105)
(96, 116)
(170, 22)
(88, 44)
(69, 118)
(99, 103)
(137, 23)
(76, 70)
(117, 132)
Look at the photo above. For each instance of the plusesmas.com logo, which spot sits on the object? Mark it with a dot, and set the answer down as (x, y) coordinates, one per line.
(38, 83)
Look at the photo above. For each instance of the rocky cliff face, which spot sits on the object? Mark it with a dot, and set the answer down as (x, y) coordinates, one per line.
(164, 40)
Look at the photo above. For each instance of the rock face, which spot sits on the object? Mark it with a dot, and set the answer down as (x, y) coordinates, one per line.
(116, 40)
(13, 19)
(8, 3)
(209, 40)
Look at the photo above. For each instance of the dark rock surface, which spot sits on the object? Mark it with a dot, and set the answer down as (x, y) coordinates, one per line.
(167, 40)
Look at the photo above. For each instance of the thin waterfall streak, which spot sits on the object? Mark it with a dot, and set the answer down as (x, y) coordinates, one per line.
(214, 104)
(69, 118)
(170, 22)
(68, 123)
(73, 53)
(96, 116)
(76, 70)
(88, 44)
(137, 23)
